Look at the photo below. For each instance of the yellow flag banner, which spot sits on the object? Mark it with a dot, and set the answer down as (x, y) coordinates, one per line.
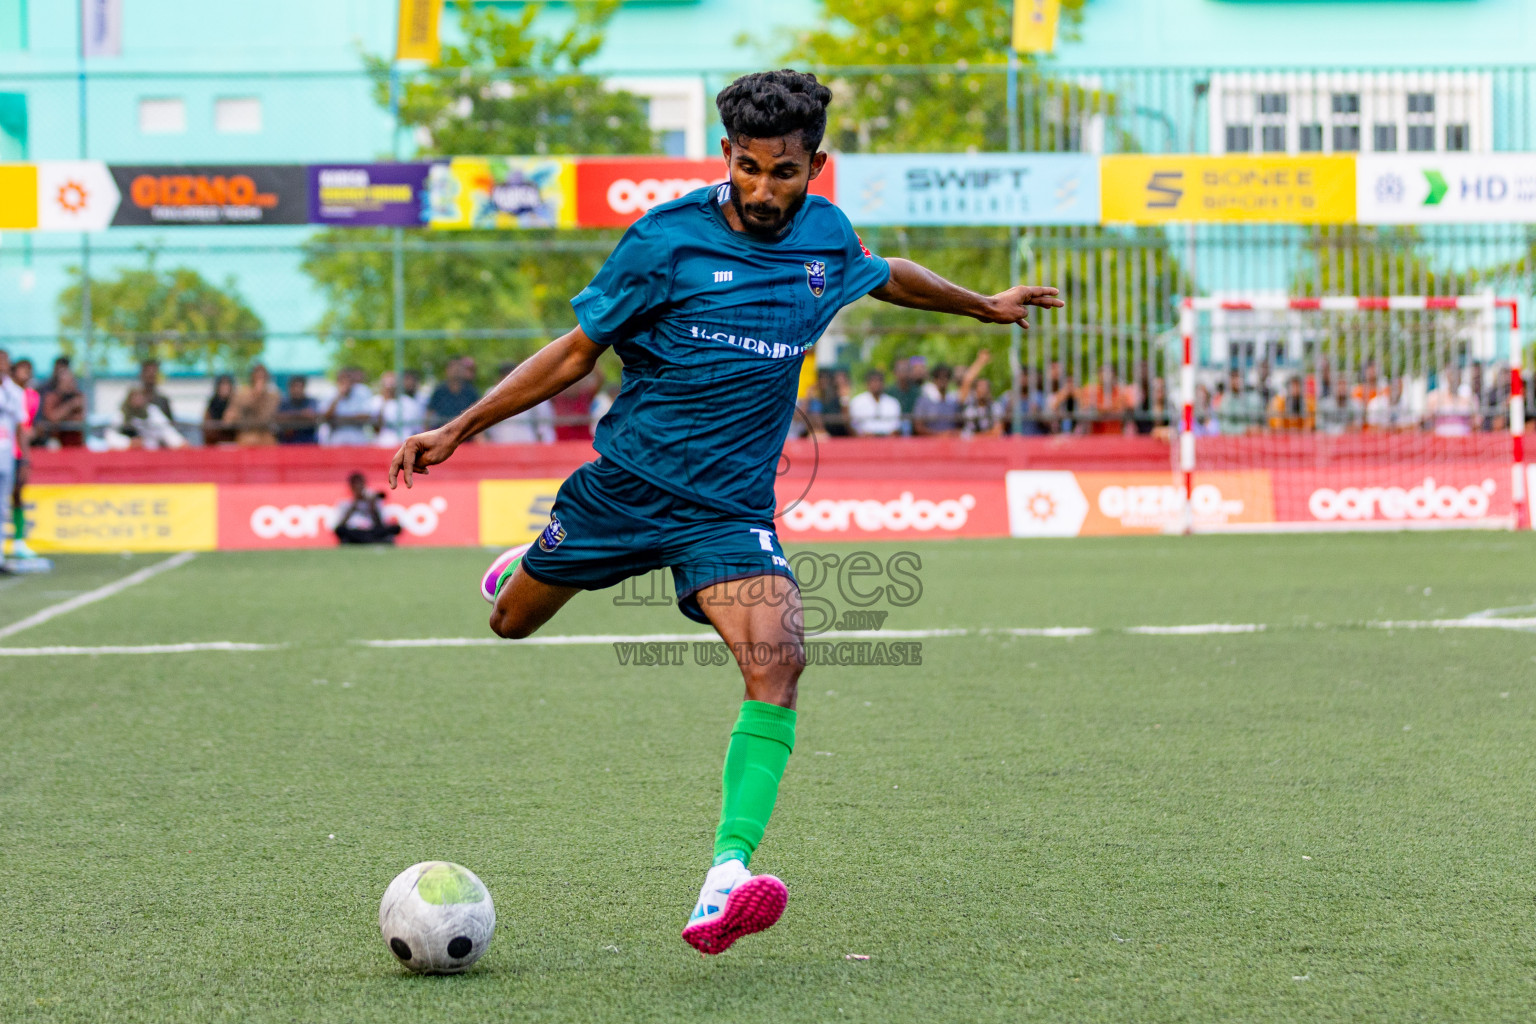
(1034, 25)
(1265, 189)
(418, 30)
(18, 196)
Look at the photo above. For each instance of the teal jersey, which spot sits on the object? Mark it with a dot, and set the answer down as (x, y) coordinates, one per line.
(712, 326)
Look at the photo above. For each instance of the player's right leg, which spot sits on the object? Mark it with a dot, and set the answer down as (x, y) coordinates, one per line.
(523, 604)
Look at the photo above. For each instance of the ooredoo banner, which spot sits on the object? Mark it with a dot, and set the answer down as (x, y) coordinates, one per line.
(616, 192)
(891, 509)
(304, 515)
(211, 195)
(1448, 493)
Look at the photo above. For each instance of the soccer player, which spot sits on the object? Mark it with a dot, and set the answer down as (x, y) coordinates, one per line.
(711, 301)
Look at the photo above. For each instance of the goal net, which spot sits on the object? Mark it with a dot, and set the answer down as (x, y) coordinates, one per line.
(1349, 412)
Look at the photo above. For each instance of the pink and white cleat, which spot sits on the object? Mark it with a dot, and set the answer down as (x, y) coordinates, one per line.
(503, 566)
(733, 903)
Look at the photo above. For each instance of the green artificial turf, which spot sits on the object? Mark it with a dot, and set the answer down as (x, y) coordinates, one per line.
(1321, 821)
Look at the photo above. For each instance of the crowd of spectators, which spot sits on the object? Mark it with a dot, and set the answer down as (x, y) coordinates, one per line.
(914, 399)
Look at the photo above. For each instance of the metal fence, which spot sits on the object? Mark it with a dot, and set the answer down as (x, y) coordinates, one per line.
(1122, 285)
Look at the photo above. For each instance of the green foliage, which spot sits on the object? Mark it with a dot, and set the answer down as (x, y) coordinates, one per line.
(909, 110)
(174, 315)
(913, 108)
(504, 90)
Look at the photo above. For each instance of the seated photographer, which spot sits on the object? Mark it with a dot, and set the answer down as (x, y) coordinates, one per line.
(360, 519)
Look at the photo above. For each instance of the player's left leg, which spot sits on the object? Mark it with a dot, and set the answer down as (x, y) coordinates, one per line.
(759, 618)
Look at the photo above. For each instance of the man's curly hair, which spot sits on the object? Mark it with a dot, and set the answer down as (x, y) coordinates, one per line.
(768, 104)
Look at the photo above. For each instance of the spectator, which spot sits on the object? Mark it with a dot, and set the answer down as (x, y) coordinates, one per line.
(1339, 412)
(214, 431)
(1205, 418)
(21, 374)
(1063, 404)
(1292, 409)
(149, 383)
(15, 436)
(1035, 414)
(1386, 411)
(1450, 409)
(911, 375)
(1106, 406)
(298, 416)
(457, 392)
(352, 411)
(825, 407)
(64, 407)
(145, 424)
(937, 412)
(396, 417)
(872, 412)
(979, 414)
(410, 387)
(1240, 410)
(252, 410)
(531, 426)
(360, 519)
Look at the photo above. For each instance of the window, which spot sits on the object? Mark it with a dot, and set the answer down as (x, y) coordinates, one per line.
(1309, 138)
(1272, 138)
(237, 115)
(1273, 102)
(1239, 138)
(13, 126)
(162, 115)
(1421, 138)
(1346, 103)
(1421, 103)
(1384, 138)
(1346, 138)
(1456, 136)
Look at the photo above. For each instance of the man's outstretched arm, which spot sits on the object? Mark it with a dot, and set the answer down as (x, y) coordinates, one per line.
(548, 372)
(916, 287)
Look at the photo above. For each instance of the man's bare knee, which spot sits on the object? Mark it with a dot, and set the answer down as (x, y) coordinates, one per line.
(510, 627)
(775, 678)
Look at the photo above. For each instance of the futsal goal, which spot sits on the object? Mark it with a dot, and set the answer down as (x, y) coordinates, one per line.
(1401, 412)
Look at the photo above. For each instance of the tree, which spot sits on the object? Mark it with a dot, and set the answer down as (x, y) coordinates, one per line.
(944, 90)
(504, 90)
(174, 315)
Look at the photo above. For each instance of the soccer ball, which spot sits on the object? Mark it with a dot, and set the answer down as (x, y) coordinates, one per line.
(437, 917)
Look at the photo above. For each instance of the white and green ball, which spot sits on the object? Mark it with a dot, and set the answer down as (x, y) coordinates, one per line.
(437, 917)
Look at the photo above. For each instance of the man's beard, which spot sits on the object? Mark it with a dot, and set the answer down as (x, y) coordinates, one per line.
(756, 228)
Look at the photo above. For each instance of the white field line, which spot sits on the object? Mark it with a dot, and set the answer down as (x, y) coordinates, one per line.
(1205, 629)
(212, 645)
(99, 594)
(604, 639)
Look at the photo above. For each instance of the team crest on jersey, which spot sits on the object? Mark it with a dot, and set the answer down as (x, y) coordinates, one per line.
(816, 277)
(553, 534)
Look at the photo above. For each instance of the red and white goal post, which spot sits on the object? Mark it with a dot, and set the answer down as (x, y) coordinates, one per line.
(1346, 412)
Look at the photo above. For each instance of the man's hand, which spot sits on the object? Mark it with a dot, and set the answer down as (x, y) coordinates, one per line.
(420, 451)
(1012, 306)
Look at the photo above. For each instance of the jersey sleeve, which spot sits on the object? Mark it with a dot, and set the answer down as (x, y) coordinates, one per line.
(630, 288)
(863, 271)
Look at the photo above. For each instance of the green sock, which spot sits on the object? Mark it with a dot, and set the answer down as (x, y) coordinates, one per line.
(18, 522)
(760, 747)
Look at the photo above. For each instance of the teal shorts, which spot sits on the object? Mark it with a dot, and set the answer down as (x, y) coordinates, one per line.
(608, 524)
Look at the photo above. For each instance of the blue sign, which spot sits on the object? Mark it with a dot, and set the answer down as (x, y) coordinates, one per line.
(969, 189)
